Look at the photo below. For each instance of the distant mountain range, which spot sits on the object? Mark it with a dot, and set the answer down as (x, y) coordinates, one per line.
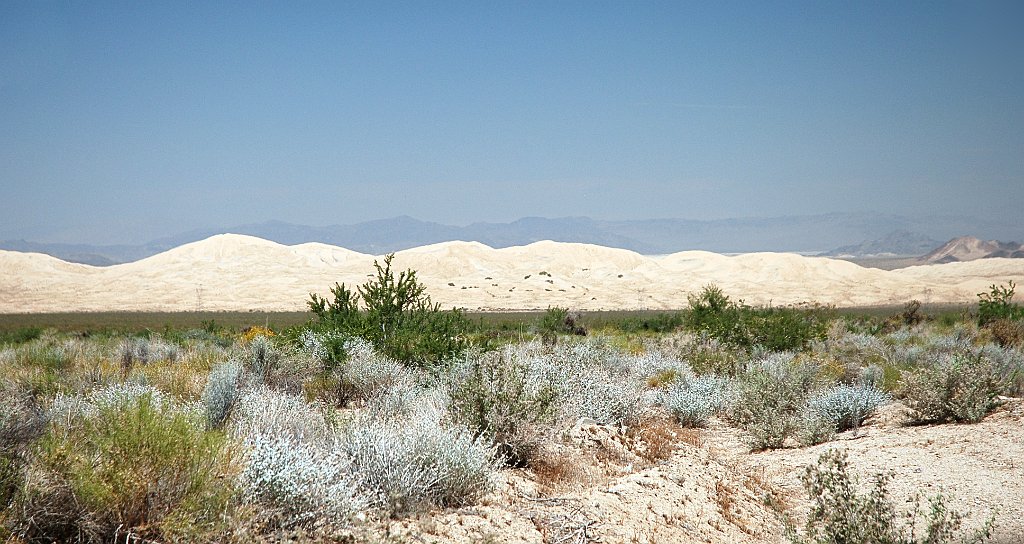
(895, 244)
(890, 234)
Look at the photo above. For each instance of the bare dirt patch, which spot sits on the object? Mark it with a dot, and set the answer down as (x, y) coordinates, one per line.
(711, 489)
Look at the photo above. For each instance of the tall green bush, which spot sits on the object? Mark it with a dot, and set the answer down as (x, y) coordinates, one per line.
(394, 313)
(735, 323)
(998, 304)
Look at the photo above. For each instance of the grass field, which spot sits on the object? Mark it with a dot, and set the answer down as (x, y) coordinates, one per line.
(129, 322)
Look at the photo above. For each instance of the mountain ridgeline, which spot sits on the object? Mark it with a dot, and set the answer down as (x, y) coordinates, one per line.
(810, 234)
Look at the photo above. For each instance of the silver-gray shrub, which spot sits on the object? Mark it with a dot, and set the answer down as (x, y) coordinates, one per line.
(814, 428)
(261, 357)
(1009, 364)
(846, 406)
(307, 484)
(403, 401)
(959, 340)
(314, 343)
(368, 373)
(495, 395)
(294, 465)
(693, 401)
(70, 410)
(262, 412)
(418, 463)
(960, 387)
(590, 380)
(769, 397)
(651, 365)
(221, 392)
(143, 351)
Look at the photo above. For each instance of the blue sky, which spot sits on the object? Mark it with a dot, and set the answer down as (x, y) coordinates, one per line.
(120, 122)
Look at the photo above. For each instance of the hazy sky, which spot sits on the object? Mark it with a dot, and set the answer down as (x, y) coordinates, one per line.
(120, 122)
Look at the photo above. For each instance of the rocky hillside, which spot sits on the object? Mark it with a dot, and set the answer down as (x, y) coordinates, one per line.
(969, 248)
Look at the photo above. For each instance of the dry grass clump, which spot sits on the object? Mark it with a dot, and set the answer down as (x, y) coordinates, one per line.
(657, 438)
(1007, 332)
(554, 469)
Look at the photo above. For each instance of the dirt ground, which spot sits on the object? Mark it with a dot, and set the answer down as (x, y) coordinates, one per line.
(603, 485)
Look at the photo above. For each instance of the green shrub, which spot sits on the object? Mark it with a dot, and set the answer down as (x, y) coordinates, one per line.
(556, 321)
(20, 336)
(397, 317)
(775, 329)
(40, 367)
(132, 463)
(998, 304)
(961, 387)
(712, 312)
(842, 515)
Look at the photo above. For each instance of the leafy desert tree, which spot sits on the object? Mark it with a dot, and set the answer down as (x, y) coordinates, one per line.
(394, 313)
(998, 304)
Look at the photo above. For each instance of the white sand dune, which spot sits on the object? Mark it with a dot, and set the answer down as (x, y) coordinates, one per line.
(234, 272)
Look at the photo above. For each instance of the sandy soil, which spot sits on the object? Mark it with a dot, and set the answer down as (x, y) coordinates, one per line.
(241, 273)
(712, 489)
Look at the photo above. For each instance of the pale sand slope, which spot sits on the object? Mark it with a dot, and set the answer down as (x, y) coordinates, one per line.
(234, 272)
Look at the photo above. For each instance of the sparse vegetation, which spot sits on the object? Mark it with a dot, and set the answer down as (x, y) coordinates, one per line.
(325, 429)
(841, 513)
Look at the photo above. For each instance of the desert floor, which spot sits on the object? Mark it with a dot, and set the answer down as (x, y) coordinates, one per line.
(712, 489)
